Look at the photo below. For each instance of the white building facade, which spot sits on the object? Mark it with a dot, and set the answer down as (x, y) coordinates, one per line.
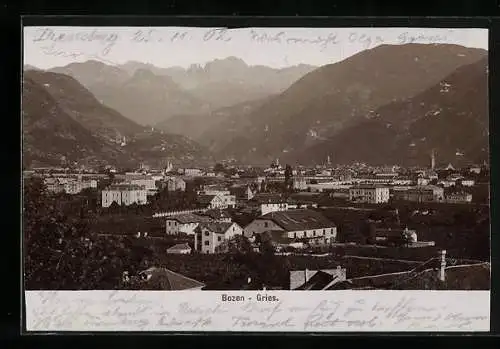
(210, 236)
(369, 194)
(124, 195)
(273, 207)
(295, 224)
(184, 224)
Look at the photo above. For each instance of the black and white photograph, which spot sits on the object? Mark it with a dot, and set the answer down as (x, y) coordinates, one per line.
(255, 159)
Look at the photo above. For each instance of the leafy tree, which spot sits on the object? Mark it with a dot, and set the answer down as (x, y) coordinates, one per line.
(235, 245)
(219, 168)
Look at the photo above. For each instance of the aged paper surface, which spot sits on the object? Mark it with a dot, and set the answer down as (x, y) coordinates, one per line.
(339, 311)
(327, 179)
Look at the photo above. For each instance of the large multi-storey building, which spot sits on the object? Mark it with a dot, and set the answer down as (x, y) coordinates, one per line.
(124, 195)
(75, 187)
(299, 183)
(371, 194)
(428, 193)
(148, 183)
(69, 185)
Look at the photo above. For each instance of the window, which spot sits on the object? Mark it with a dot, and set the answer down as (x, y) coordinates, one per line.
(219, 238)
(324, 231)
(207, 233)
(314, 232)
(266, 224)
(294, 235)
(207, 243)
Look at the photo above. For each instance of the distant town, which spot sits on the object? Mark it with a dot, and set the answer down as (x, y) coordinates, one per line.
(244, 165)
(241, 227)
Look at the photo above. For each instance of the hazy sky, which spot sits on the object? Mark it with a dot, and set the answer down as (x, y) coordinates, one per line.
(46, 47)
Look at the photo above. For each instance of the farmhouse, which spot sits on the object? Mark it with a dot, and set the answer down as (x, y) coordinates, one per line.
(208, 236)
(296, 224)
(184, 223)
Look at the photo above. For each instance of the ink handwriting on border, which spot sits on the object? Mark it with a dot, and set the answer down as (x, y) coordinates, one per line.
(52, 41)
(133, 311)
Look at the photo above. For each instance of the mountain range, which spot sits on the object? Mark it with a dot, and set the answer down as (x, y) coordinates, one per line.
(149, 95)
(208, 128)
(450, 118)
(64, 123)
(338, 96)
(389, 104)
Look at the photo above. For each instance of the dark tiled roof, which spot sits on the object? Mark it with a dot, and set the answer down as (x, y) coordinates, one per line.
(189, 218)
(205, 199)
(125, 187)
(382, 281)
(368, 186)
(216, 227)
(461, 277)
(217, 214)
(391, 232)
(180, 247)
(170, 280)
(239, 191)
(238, 284)
(318, 281)
(265, 198)
(424, 188)
(294, 220)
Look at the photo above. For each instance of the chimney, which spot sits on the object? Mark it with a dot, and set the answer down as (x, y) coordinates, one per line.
(443, 265)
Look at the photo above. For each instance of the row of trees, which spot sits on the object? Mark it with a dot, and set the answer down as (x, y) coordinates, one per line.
(60, 251)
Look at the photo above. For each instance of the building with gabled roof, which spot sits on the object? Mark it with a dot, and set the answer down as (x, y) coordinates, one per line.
(216, 201)
(209, 201)
(297, 224)
(439, 273)
(218, 215)
(184, 223)
(168, 280)
(243, 193)
(179, 249)
(308, 280)
(209, 236)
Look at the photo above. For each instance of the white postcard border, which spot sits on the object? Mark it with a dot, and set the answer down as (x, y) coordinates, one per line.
(251, 311)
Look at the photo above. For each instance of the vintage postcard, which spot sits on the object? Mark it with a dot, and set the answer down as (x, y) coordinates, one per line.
(255, 179)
